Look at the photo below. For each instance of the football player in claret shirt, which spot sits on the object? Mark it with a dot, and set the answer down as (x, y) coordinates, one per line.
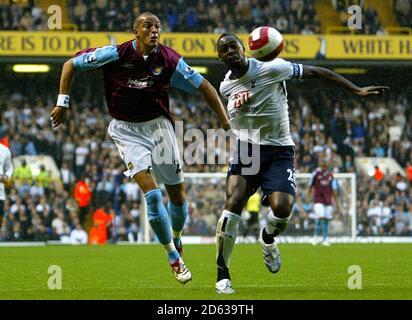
(323, 187)
(137, 75)
(257, 102)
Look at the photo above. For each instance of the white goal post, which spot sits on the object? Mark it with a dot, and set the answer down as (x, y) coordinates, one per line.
(206, 193)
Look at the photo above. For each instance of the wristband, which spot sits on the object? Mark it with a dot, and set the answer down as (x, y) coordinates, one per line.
(63, 101)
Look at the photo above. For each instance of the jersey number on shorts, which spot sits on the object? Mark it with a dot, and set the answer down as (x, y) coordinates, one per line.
(292, 178)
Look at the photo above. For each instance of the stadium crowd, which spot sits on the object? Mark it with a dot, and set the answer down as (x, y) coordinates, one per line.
(370, 19)
(330, 123)
(197, 16)
(295, 16)
(211, 16)
(403, 12)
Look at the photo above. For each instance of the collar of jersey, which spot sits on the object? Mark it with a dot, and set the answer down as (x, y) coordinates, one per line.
(134, 44)
(242, 77)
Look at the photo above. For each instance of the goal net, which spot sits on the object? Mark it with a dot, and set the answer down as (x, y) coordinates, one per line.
(205, 193)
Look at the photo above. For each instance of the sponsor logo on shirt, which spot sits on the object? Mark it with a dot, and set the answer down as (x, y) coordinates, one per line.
(235, 112)
(324, 180)
(140, 83)
(241, 98)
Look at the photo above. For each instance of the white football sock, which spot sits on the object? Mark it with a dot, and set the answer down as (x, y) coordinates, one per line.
(275, 225)
(226, 234)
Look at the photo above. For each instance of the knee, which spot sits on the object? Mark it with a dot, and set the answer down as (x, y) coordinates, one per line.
(178, 200)
(282, 211)
(154, 204)
(145, 181)
(282, 205)
(234, 203)
(176, 194)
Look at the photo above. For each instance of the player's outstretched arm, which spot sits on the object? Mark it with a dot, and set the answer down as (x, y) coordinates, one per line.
(337, 201)
(213, 100)
(319, 72)
(58, 114)
(309, 192)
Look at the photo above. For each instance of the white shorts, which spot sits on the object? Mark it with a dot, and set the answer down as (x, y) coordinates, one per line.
(322, 211)
(149, 145)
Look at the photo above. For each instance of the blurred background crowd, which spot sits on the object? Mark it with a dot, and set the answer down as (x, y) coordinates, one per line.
(212, 16)
(333, 124)
(92, 189)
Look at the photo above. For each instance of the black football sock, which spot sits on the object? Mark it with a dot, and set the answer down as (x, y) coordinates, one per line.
(268, 239)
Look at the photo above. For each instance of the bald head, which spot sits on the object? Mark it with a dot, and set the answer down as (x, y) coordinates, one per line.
(324, 164)
(143, 17)
(147, 31)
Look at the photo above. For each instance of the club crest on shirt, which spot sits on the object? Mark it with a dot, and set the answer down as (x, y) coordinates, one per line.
(157, 70)
(130, 166)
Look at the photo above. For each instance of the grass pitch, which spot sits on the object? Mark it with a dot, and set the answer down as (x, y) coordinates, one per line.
(141, 272)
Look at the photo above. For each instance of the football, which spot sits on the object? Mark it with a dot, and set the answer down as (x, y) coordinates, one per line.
(265, 43)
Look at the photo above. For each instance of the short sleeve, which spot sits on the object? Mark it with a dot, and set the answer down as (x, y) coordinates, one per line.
(312, 179)
(95, 58)
(283, 70)
(186, 78)
(335, 184)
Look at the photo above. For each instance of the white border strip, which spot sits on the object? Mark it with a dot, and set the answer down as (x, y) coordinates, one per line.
(245, 240)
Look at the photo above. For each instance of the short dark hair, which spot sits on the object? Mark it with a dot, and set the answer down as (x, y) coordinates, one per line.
(143, 15)
(226, 34)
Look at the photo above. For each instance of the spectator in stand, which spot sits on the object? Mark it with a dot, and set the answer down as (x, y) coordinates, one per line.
(409, 172)
(409, 215)
(378, 174)
(66, 176)
(102, 219)
(401, 221)
(83, 194)
(78, 235)
(59, 226)
(403, 11)
(336, 227)
(82, 151)
(104, 190)
(23, 174)
(133, 224)
(43, 179)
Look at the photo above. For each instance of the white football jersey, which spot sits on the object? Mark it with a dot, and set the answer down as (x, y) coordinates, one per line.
(257, 102)
(6, 168)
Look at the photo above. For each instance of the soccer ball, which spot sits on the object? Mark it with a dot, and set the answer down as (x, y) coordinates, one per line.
(265, 43)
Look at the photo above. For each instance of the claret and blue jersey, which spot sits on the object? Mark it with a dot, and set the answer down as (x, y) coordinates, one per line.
(136, 85)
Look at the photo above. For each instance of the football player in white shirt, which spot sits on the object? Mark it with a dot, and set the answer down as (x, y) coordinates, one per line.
(6, 171)
(257, 101)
